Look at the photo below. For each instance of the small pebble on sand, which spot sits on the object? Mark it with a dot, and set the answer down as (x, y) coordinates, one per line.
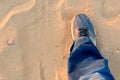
(63, 57)
(10, 42)
(117, 51)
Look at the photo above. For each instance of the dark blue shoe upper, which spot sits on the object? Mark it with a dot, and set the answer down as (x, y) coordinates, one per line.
(83, 23)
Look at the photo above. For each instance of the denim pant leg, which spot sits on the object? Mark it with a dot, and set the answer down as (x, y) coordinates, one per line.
(86, 62)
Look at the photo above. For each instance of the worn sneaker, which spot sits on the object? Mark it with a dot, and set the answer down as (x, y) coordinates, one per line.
(82, 27)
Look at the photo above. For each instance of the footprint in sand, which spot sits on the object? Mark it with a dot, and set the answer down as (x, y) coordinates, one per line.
(17, 9)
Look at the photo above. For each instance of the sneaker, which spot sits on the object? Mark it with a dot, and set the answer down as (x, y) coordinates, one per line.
(82, 27)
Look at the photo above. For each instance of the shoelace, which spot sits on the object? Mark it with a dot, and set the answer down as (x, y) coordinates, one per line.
(83, 32)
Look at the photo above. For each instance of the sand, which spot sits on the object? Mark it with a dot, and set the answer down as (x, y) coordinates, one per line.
(35, 36)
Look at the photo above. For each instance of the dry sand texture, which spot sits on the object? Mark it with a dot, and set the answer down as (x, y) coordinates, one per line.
(35, 36)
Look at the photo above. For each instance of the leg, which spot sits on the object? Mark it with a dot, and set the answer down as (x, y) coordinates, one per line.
(86, 62)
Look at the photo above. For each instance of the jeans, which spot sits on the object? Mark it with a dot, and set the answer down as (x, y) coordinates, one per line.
(86, 62)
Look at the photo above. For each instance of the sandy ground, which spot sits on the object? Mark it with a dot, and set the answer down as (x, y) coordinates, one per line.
(35, 36)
